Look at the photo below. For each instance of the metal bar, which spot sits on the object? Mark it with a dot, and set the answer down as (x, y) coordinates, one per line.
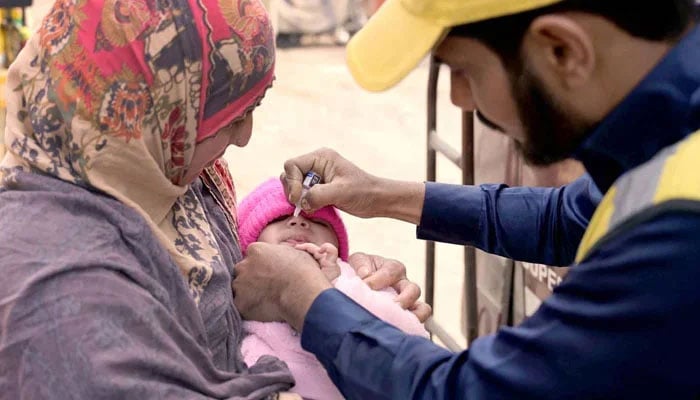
(464, 161)
(470, 297)
(431, 176)
(440, 146)
(437, 330)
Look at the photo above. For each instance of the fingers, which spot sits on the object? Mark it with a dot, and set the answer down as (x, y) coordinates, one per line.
(277, 283)
(292, 187)
(319, 161)
(422, 310)
(329, 259)
(331, 271)
(293, 176)
(319, 196)
(310, 248)
(409, 293)
(326, 255)
(388, 273)
(330, 250)
(245, 304)
(363, 264)
(380, 273)
(247, 301)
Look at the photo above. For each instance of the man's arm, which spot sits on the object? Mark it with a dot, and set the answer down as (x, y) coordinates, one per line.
(623, 324)
(541, 225)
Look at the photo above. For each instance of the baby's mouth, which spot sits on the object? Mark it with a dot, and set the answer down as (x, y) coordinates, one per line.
(295, 240)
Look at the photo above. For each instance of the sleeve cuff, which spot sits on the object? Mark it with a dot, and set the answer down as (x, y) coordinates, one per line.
(451, 213)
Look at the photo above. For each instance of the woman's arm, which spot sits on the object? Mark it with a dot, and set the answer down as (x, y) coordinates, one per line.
(94, 333)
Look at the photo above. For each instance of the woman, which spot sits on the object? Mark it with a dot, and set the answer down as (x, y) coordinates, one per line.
(115, 109)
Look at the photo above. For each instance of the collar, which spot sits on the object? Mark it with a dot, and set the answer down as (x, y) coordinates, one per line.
(662, 110)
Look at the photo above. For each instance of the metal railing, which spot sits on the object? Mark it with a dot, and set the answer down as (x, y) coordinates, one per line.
(465, 161)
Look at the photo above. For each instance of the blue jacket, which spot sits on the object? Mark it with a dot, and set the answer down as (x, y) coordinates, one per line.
(624, 323)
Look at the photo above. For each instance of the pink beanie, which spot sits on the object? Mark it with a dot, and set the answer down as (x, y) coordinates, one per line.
(267, 203)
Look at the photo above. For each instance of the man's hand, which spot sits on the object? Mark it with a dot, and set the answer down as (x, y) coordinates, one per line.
(327, 257)
(344, 185)
(379, 273)
(277, 283)
(349, 188)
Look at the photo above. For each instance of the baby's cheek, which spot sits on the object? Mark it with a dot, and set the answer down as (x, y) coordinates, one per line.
(270, 234)
(332, 239)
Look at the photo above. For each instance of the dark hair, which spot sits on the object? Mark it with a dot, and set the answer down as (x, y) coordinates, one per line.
(660, 20)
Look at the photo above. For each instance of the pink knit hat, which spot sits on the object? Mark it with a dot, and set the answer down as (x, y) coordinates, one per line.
(267, 203)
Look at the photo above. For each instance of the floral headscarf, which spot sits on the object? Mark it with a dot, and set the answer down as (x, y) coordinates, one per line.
(115, 94)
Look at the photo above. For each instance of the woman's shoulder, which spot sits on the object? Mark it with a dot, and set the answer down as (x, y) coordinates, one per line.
(51, 229)
(49, 209)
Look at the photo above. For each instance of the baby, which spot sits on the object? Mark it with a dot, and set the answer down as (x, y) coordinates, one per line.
(265, 215)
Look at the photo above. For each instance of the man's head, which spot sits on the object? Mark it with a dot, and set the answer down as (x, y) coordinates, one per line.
(543, 72)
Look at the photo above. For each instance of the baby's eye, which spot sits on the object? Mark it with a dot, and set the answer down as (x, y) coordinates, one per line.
(322, 223)
(280, 219)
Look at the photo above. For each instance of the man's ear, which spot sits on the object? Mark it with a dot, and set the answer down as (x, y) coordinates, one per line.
(561, 50)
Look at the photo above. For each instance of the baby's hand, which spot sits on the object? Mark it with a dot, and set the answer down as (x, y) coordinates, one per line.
(327, 257)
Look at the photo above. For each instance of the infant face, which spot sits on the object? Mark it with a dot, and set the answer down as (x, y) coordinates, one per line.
(292, 231)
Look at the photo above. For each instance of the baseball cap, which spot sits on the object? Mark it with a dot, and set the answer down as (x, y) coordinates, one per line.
(402, 32)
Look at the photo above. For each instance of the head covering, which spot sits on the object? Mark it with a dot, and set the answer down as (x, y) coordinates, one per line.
(402, 32)
(114, 95)
(267, 203)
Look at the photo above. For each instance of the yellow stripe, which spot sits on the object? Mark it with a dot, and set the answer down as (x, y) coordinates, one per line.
(599, 225)
(680, 178)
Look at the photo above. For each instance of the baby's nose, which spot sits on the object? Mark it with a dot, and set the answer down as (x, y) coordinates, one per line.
(301, 221)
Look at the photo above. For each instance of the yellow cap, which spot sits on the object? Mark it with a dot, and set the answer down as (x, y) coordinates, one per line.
(402, 32)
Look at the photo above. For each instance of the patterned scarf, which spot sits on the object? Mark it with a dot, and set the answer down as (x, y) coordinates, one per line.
(114, 95)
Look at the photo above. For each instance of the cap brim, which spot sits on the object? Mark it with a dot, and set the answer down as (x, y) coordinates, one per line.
(389, 46)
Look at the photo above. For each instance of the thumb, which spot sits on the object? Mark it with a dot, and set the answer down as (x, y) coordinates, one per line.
(319, 196)
(363, 264)
(292, 185)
